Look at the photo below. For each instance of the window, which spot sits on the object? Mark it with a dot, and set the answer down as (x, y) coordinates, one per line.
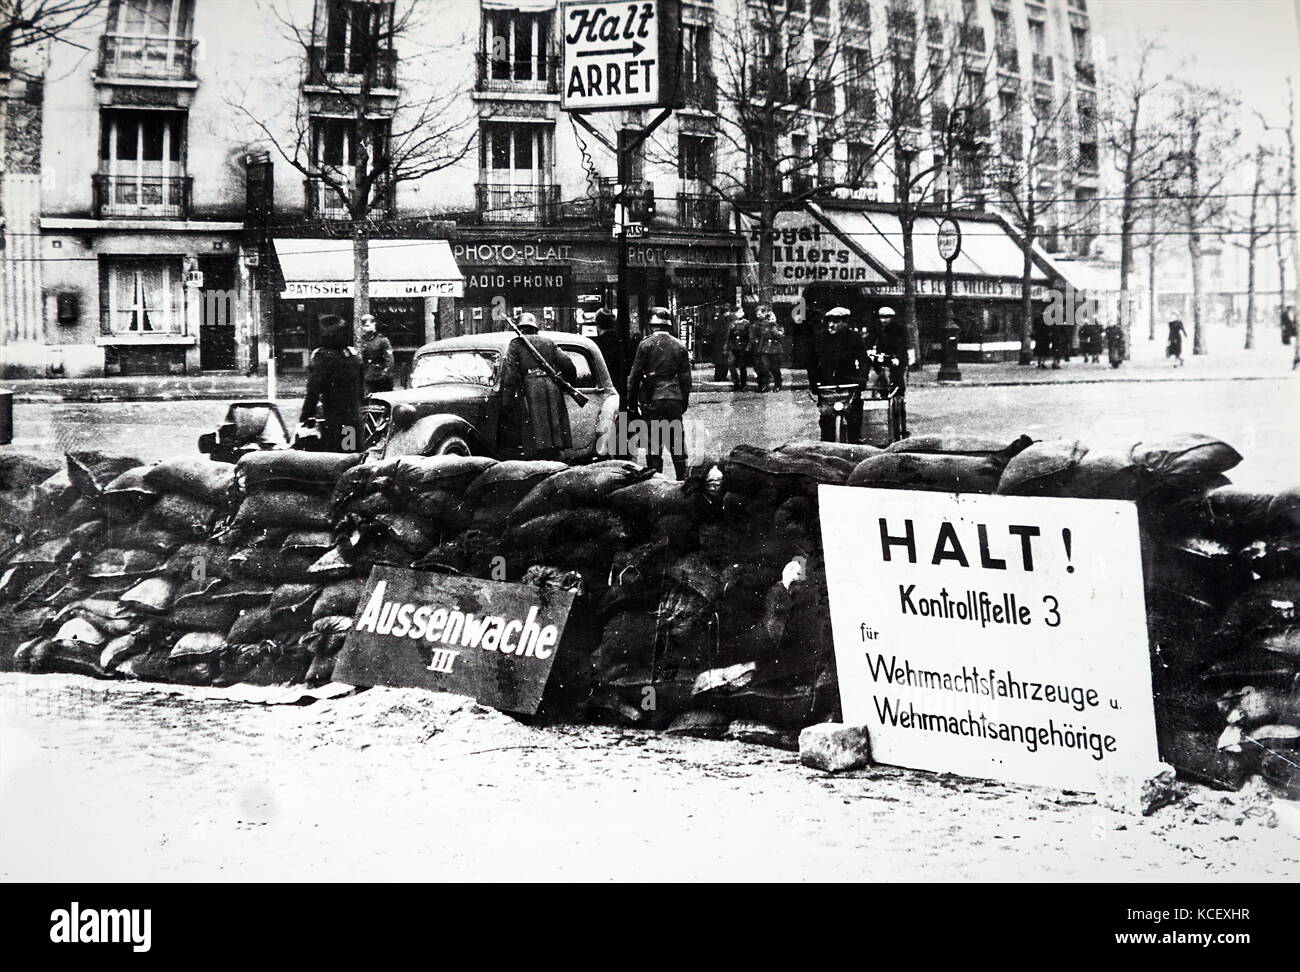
(141, 141)
(696, 52)
(143, 296)
(355, 32)
(856, 12)
(517, 44)
(1082, 49)
(859, 163)
(511, 152)
(1038, 36)
(151, 18)
(1002, 31)
(585, 377)
(826, 161)
(695, 154)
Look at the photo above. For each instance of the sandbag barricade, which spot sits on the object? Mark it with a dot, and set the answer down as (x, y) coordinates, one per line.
(701, 605)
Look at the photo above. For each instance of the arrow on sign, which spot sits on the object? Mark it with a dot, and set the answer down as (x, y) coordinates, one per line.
(636, 48)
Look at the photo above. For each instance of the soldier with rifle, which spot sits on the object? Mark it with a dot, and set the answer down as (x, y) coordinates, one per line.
(536, 375)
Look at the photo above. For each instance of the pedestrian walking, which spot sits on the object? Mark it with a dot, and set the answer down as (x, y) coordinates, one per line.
(890, 341)
(376, 357)
(1174, 346)
(660, 382)
(1090, 337)
(738, 344)
(1060, 344)
(1042, 340)
(536, 416)
(334, 385)
(1288, 324)
(839, 358)
(768, 350)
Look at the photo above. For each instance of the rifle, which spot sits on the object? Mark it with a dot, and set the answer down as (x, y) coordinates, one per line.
(558, 378)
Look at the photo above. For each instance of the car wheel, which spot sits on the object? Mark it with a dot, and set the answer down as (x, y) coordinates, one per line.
(450, 445)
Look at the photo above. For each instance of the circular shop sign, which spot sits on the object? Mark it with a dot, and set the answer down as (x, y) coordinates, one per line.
(948, 238)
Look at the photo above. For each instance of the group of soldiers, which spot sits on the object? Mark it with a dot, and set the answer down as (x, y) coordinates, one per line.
(741, 344)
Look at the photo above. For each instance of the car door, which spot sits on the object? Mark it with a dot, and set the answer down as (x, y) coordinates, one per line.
(583, 421)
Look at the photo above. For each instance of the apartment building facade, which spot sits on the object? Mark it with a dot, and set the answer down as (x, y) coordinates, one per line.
(200, 140)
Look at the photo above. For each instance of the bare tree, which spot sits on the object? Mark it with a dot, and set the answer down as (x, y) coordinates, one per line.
(950, 77)
(388, 141)
(1247, 231)
(1285, 216)
(1032, 195)
(771, 98)
(1139, 142)
(1205, 138)
(28, 23)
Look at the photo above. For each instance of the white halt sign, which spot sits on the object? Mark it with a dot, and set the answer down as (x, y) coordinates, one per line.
(992, 636)
(613, 55)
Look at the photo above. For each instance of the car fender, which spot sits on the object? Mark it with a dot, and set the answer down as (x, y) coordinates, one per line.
(412, 440)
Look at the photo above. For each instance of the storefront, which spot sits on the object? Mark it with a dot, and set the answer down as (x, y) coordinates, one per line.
(412, 286)
(852, 256)
(563, 277)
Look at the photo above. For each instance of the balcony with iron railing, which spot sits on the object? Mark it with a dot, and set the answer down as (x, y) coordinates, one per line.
(699, 211)
(531, 75)
(324, 202)
(153, 58)
(141, 196)
(1043, 66)
(515, 203)
(1085, 71)
(332, 68)
(1008, 58)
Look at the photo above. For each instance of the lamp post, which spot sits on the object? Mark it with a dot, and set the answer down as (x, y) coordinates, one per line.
(948, 240)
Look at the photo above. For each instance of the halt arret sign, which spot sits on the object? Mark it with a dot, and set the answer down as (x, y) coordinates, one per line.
(490, 640)
(619, 54)
(992, 636)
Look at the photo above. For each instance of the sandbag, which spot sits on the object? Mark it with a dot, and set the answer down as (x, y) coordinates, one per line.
(952, 444)
(19, 470)
(153, 595)
(1042, 468)
(202, 479)
(932, 472)
(284, 509)
(1199, 567)
(416, 474)
(578, 486)
(848, 451)
(653, 498)
(1251, 706)
(1196, 756)
(1243, 514)
(48, 553)
(1266, 607)
(627, 641)
(513, 478)
(195, 561)
(90, 471)
(370, 505)
(312, 541)
(1284, 642)
(257, 624)
(330, 565)
(124, 646)
(128, 495)
(203, 616)
(1105, 475)
(197, 644)
(243, 592)
(443, 509)
(293, 601)
(116, 562)
(271, 565)
(152, 537)
(748, 469)
(415, 533)
(338, 598)
(274, 469)
(1183, 460)
(71, 657)
(183, 514)
(568, 526)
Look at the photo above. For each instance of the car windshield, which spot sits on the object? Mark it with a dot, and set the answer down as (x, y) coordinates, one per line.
(473, 367)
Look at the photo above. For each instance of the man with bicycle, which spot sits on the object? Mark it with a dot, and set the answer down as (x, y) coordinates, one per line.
(889, 354)
(838, 359)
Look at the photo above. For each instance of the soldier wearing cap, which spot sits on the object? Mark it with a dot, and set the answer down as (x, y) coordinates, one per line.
(839, 358)
(660, 381)
(536, 419)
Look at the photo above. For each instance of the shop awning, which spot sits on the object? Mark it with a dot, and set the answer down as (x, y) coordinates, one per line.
(398, 268)
(987, 249)
(1085, 275)
(532, 5)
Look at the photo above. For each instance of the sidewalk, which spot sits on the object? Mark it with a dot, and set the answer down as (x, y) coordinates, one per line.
(1265, 363)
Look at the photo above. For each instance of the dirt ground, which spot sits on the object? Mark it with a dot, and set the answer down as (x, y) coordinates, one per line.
(133, 782)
